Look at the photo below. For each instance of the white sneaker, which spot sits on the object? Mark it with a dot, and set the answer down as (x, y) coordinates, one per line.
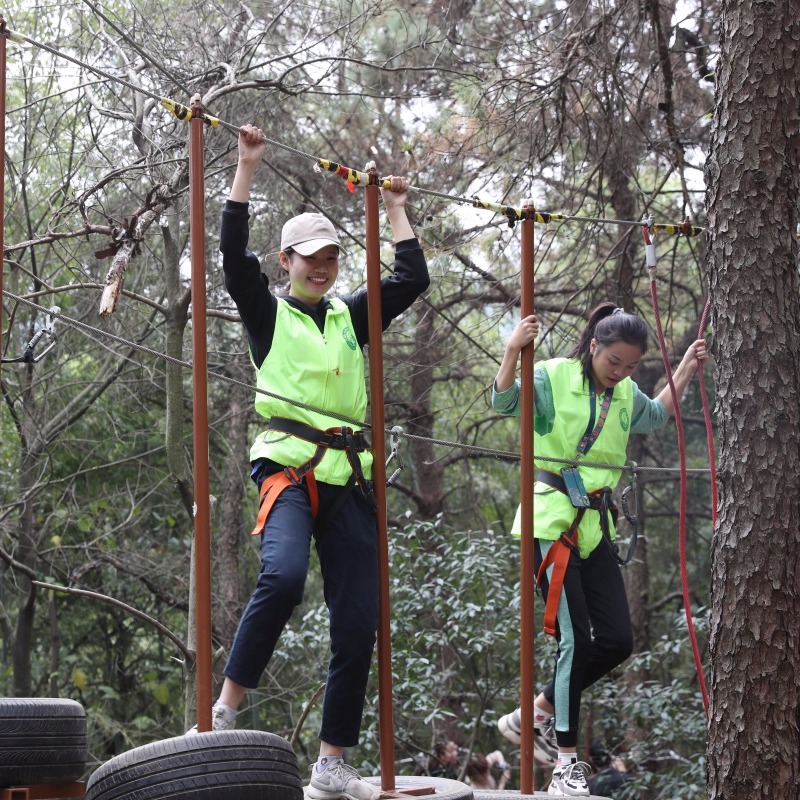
(223, 718)
(545, 749)
(339, 780)
(570, 781)
(509, 725)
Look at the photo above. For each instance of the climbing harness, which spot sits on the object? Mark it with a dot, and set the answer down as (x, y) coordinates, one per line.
(338, 438)
(47, 330)
(558, 555)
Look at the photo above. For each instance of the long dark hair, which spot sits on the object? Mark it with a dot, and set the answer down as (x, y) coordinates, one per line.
(608, 324)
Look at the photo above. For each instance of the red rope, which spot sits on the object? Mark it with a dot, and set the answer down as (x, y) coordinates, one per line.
(687, 604)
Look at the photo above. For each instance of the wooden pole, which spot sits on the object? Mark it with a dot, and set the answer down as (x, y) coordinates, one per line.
(527, 577)
(202, 503)
(385, 714)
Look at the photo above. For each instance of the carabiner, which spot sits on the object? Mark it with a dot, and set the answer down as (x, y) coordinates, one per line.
(395, 435)
(632, 518)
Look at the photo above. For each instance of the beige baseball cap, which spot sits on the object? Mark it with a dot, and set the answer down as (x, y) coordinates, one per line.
(307, 233)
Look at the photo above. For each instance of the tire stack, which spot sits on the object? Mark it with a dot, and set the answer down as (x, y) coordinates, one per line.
(42, 741)
(218, 765)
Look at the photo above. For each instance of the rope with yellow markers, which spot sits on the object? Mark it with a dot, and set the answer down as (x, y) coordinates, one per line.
(355, 177)
(184, 113)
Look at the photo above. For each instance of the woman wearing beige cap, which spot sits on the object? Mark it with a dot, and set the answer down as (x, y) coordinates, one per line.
(313, 474)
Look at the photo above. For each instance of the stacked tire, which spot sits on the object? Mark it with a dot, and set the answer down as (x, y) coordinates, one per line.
(42, 741)
(219, 765)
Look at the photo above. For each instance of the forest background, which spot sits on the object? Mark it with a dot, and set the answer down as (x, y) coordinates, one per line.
(600, 110)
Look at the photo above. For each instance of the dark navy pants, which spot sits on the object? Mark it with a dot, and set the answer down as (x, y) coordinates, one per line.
(348, 555)
(593, 629)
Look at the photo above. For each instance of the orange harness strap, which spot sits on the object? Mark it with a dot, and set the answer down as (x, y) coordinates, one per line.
(558, 555)
(351, 442)
(272, 487)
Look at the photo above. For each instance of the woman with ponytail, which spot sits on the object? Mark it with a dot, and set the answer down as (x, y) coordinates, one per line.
(586, 407)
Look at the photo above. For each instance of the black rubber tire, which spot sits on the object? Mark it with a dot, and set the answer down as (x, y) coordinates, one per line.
(443, 788)
(219, 765)
(42, 740)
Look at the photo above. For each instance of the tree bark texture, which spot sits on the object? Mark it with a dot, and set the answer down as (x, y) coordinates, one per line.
(27, 540)
(752, 176)
(234, 528)
(428, 470)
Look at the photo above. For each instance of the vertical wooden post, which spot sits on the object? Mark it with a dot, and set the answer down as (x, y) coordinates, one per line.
(527, 577)
(385, 711)
(202, 503)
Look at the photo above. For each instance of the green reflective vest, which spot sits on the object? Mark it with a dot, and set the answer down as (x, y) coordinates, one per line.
(553, 512)
(325, 370)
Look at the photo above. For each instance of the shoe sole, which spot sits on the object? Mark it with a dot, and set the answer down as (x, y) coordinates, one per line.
(559, 793)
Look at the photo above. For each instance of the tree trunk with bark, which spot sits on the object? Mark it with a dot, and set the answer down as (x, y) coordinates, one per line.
(753, 174)
(428, 490)
(30, 467)
(233, 526)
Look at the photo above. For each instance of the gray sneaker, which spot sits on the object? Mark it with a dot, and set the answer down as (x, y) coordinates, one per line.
(570, 781)
(545, 749)
(509, 726)
(339, 780)
(222, 719)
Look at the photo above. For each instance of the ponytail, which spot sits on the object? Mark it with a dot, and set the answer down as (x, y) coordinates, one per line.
(608, 324)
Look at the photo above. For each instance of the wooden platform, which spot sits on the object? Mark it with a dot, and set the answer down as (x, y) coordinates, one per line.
(485, 794)
(50, 791)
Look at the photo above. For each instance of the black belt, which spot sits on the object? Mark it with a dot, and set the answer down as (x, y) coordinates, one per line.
(335, 438)
(552, 480)
(596, 501)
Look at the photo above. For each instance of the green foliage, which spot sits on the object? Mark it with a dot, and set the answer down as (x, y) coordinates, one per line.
(455, 667)
(467, 98)
(669, 761)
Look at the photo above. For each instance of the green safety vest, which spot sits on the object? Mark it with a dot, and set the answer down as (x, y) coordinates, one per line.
(325, 370)
(552, 510)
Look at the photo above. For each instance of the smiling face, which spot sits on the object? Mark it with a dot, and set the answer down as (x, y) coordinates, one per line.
(611, 363)
(310, 277)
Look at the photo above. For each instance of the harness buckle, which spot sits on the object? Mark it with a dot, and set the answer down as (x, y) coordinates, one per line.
(293, 475)
(568, 539)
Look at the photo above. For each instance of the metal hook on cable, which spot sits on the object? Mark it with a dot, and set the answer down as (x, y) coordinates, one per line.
(395, 435)
(633, 518)
(48, 330)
